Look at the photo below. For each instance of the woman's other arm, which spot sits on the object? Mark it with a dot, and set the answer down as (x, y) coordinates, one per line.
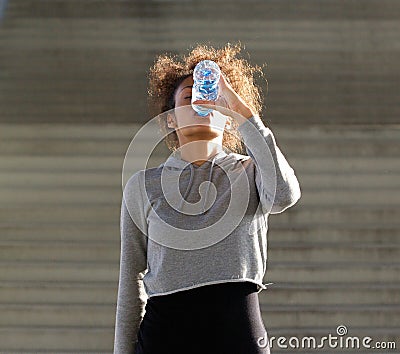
(132, 297)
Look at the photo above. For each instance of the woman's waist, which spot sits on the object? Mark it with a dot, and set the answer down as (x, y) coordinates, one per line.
(217, 294)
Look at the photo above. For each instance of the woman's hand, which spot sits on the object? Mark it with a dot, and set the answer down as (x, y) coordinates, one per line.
(233, 100)
(230, 104)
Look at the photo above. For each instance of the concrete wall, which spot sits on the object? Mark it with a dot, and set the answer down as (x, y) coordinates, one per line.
(73, 95)
(76, 61)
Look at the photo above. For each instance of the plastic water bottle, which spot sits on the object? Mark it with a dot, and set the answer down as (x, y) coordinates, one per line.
(206, 76)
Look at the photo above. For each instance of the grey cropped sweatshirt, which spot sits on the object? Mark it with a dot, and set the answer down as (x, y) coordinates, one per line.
(184, 226)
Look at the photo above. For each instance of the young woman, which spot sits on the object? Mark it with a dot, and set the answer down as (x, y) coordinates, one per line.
(193, 230)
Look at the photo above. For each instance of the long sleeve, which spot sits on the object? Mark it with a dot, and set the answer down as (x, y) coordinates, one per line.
(276, 181)
(132, 297)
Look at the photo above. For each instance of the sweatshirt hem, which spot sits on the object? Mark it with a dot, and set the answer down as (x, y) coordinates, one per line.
(262, 286)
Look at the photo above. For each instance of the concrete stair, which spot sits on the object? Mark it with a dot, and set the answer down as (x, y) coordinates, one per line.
(86, 61)
(333, 257)
(68, 69)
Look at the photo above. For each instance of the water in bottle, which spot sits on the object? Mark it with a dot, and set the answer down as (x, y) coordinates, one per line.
(206, 76)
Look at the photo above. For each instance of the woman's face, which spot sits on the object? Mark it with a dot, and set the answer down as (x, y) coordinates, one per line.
(188, 123)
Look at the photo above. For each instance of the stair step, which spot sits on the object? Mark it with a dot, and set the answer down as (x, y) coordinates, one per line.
(103, 195)
(116, 34)
(276, 271)
(62, 251)
(62, 131)
(344, 252)
(109, 232)
(323, 315)
(52, 339)
(35, 292)
(42, 292)
(105, 180)
(69, 251)
(118, 148)
(348, 164)
(82, 179)
(330, 293)
(106, 131)
(349, 181)
(332, 271)
(83, 232)
(26, 163)
(350, 216)
(234, 11)
(63, 213)
(59, 271)
(92, 340)
(384, 216)
(332, 257)
(96, 315)
(333, 233)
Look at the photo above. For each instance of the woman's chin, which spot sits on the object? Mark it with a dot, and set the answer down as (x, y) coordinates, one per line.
(202, 130)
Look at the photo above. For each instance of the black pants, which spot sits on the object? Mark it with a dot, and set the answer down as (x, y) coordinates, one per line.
(222, 318)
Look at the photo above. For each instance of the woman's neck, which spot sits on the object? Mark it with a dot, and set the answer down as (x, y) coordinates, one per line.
(199, 151)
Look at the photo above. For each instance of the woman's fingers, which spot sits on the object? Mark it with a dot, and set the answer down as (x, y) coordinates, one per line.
(232, 99)
(227, 90)
(229, 103)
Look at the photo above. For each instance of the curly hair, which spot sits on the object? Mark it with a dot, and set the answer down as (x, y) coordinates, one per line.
(169, 71)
